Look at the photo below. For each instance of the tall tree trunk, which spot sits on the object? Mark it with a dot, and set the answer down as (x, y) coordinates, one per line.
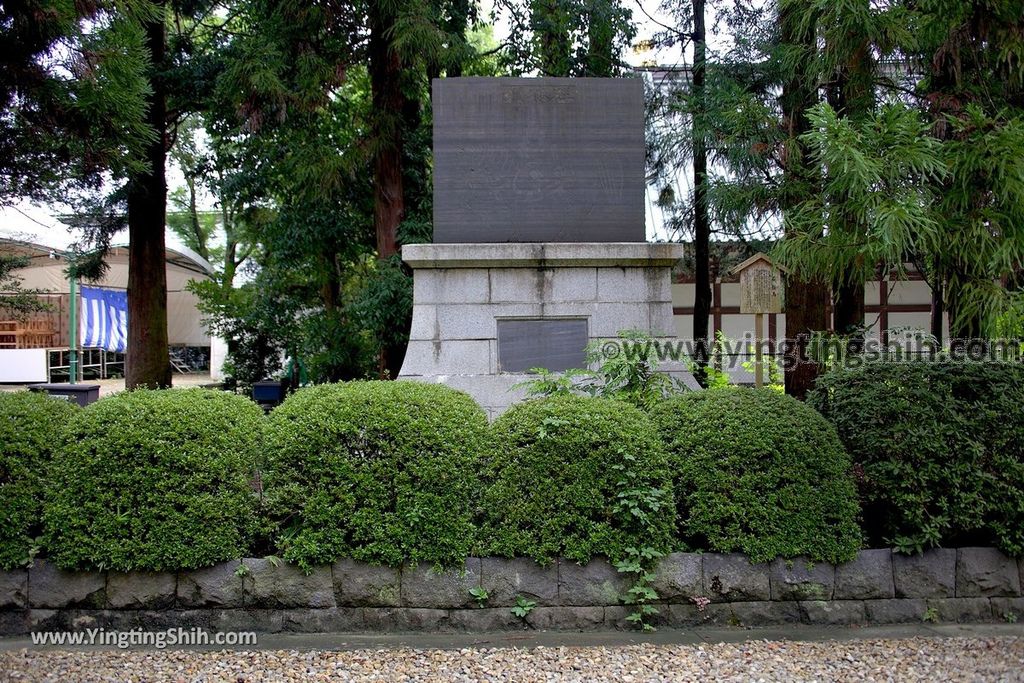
(388, 104)
(938, 310)
(551, 34)
(848, 311)
(852, 96)
(148, 363)
(806, 300)
(701, 221)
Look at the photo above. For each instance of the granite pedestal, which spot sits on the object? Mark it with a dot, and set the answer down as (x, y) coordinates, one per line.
(463, 294)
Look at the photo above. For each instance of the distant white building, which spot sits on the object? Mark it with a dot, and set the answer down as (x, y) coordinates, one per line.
(36, 349)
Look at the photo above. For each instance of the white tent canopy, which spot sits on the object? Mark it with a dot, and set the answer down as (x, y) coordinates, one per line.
(31, 232)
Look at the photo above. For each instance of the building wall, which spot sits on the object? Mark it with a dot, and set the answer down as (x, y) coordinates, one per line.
(890, 306)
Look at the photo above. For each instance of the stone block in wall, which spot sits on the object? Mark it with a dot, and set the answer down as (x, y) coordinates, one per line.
(595, 583)
(868, 576)
(617, 617)
(258, 620)
(1008, 609)
(572, 284)
(611, 318)
(895, 610)
(730, 577)
(13, 589)
(329, 620)
(566, 618)
(931, 574)
(506, 579)
(681, 615)
(485, 620)
(801, 579)
(633, 285)
(404, 619)
(216, 586)
(451, 286)
(427, 587)
(141, 590)
(679, 577)
(51, 587)
(470, 356)
(16, 622)
(833, 612)
(756, 612)
(358, 584)
(268, 584)
(986, 572)
(961, 610)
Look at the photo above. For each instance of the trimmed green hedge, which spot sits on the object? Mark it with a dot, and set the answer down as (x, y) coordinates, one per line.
(30, 427)
(940, 449)
(575, 477)
(759, 472)
(384, 472)
(155, 480)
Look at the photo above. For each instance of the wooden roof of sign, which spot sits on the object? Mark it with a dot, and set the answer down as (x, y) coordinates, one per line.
(756, 258)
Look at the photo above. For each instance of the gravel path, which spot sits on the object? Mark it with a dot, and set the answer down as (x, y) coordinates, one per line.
(907, 659)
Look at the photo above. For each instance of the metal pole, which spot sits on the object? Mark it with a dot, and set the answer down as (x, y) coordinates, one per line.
(73, 332)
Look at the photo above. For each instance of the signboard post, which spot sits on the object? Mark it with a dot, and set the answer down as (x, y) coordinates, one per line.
(760, 293)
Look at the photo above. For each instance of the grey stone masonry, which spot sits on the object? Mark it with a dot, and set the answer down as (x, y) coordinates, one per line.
(507, 579)
(595, 583)
(801, 579)
(867, 576)
(732, 578)
(876, 587)
(51, 587)
(357, 584)
(13, 589)
(216, 586)
(986, 572)
(141, 590)
(680, 577)
(931, 574)
(463, 293)
(274, 584)
(427, 586)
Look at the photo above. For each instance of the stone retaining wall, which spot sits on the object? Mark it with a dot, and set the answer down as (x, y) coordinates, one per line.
(878, 587)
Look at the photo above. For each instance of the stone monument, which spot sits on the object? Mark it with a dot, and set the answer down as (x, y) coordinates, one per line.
(539, 238)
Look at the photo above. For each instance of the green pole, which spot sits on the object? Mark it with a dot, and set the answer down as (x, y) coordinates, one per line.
(73, 332)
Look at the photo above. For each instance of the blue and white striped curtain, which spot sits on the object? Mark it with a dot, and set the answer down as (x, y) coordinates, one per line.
(104, 319)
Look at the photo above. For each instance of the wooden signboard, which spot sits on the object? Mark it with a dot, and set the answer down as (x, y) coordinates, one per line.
(760, 285)
(760, 293)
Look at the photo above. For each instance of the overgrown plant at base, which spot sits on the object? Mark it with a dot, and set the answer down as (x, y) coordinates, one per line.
(758, 472)
(627, 370)
(384, 472)
(155, 480)
(30, 426)
(940, 449)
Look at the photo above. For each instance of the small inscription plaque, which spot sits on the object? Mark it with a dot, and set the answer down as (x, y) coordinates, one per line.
(538, 160)
(760, 286)
(555, 344)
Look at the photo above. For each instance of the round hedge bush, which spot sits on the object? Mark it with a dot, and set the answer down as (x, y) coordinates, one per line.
(155, 480)
(758, 472)
(30, 427)
(576, 477)
(384, 472)
(939, 446)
